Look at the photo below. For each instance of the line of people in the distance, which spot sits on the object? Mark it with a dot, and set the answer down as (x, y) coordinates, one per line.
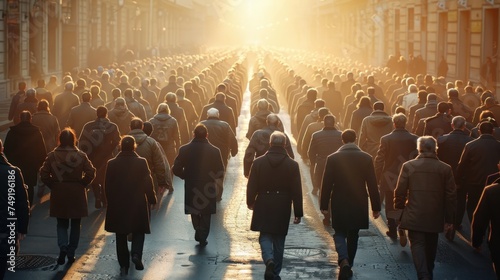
(428, 180)
(120, 150)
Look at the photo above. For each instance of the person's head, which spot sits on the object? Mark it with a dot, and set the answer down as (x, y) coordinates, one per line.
(312, 94)
(220, 96)
(490, 101)
(264, 83)
(319, 103)
(263, 105)
(163, 108)
(172, 79)
(486, 128)
(426, 144)
(399, 120)
(422, 96)
(81, 83)
(171, 97)
(31, 93)
(379, 106)
(102, 112)
(43, 105)
(443, 107)
(95, 90)
(116, 92)
(263, 93)
(452, 93)
(136, 123)
(364, 102)
(124, 79)
(212, 113)
(322, 112)
(277, 139)
(127, 144)
(272, 120)
(360, 93)
(412, 88)
(67, 138)
(400, 110)
(86, 96)
(200, 131)
(41, 83)
(485, 95)
(188, 85)
(458, 122)
(329, 120)
(370, 90)
(147, 128)
(221, 87)
(348, 136)
(69, 86)
(128, 92)
(25, 116)
(22, 86)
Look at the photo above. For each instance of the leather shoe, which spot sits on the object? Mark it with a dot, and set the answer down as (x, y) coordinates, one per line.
(138, 263)
(203, 243)
(345, 270)
(71, 259)
(392, 234)
(123, 271)
(60, 259)
(402, 238)
(269, 273)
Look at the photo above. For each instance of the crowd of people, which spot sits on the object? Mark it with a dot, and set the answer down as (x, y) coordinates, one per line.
(426, 149)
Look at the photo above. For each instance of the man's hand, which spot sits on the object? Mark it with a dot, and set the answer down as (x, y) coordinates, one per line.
(250, 207)
(296, 220)
(376, 214)
(324, 212)
(20, 236)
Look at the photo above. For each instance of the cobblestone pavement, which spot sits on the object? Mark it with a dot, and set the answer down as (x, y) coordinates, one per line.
(233, 251)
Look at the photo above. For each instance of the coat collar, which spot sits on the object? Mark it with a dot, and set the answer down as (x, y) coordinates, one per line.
(127, 154)
(349, 146)
(486, 136)
(200, 140)
(459, 131)
(277, 150)
(427, 155)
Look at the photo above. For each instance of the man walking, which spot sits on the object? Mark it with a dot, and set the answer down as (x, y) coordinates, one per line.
(426, 191)
(129, 190)
(199, 164)
(349, 173)
(274, 183)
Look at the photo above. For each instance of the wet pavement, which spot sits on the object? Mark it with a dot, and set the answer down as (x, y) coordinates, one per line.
(233, 252)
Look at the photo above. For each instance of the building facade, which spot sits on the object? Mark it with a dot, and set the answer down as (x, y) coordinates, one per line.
(40, 38)
(462, 32)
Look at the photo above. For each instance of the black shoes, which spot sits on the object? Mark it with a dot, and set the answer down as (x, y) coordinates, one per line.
(123, 271)
(269, 274)
(137, 261)
(345, 270)
(392, 234)
(203, 243)
(71, 259)
(62, 256)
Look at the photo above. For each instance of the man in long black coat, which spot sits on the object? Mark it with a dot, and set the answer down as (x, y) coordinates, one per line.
(25, 148)
(479, 159)
(487, 214)
(274, 183)
(13, 179)
(129, 189)
(225, 112)
(395, 149)
(199, 164)
(450, 149)
(349, 173)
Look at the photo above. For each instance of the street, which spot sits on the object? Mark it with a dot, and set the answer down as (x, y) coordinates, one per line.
(233, 252)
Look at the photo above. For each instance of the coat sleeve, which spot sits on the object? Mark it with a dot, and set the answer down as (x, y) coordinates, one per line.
(22, 203)
(176, 137)
(362, 135)
(481, 219)
(158, 169)
(88, 170)
(179, 164)
(450, 197)
(233, 142)
(40, 148)
(311, 151)
(46, 172)
(148, 183)
(371, 183)
(306, 140)
(401, 191)
(327, 184)
(297, 191)
(249, 156)
(462, 166)
(252, 185)
(380, 159)
(288, 147)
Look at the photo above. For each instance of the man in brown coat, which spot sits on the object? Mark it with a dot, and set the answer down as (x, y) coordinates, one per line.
(129, 189)
(81, 114)
(427, 193)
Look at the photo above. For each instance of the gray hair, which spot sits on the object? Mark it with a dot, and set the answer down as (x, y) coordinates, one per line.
(163, 108)
(426, 144)
(458, 122)
(412, 88)
(262, 104)
(399, 120)
(277, 139)
(272, 119)
(69, 86)
(213, 112)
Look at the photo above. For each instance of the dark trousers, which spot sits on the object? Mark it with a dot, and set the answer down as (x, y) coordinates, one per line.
(201, 225)
(346, 244)
(66, 244)
(467, 198)
(423, 247)
(389, 207)
(97, 184)
(122, 251)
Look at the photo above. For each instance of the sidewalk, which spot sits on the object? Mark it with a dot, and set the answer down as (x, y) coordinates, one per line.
(4, 114)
